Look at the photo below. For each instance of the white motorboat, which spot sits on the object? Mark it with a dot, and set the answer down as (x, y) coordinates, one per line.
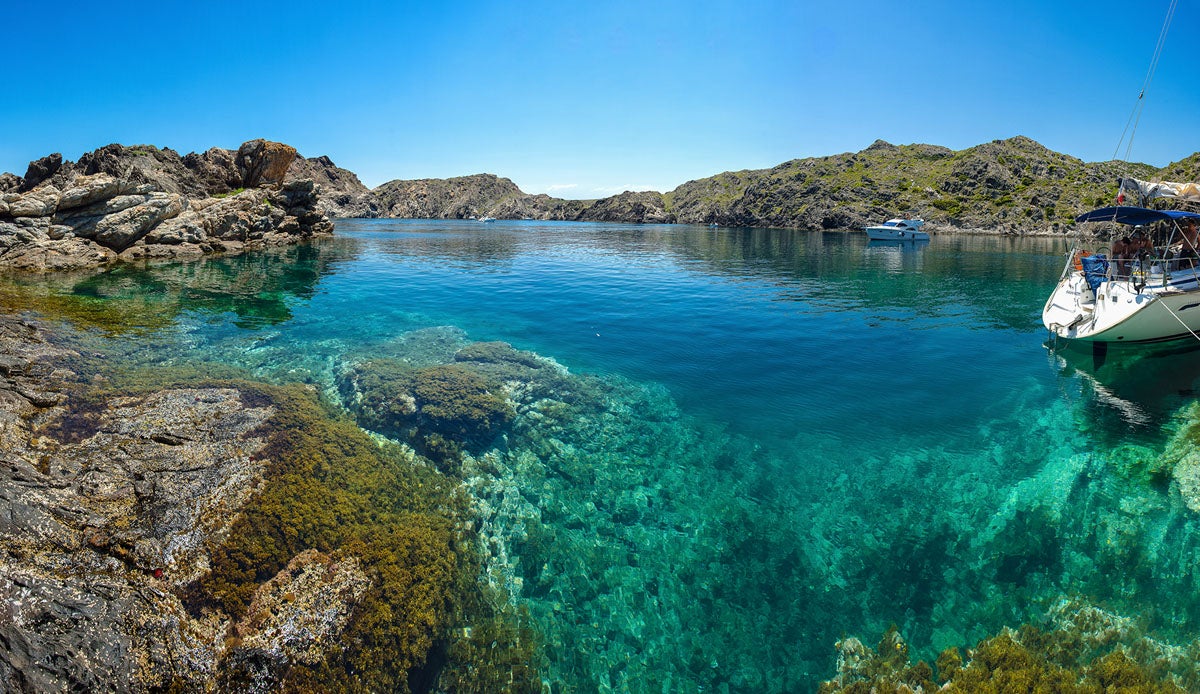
(898, 230)
(487, 219)
(1148, 295)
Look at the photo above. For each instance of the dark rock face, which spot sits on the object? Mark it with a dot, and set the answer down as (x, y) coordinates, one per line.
(42, 169)
(145, 202)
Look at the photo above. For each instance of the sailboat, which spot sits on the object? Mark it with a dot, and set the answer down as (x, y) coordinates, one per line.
(1141, 295)
(1146, 288)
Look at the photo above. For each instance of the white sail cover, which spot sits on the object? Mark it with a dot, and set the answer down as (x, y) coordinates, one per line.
(1162, 189)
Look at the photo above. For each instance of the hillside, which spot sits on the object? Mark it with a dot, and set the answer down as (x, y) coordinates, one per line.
(1013, 186)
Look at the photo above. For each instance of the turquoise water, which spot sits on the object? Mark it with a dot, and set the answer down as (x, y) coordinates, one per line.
(785, 437)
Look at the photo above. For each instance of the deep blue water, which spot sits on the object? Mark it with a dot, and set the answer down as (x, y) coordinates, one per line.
(807, 435)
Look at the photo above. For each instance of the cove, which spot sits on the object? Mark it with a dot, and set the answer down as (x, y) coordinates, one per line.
(773, 439)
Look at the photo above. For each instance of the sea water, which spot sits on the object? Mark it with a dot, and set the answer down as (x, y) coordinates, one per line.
(803, 435)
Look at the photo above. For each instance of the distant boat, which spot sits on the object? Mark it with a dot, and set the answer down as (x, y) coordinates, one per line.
(712, 226)
(898, 230)
(487, 219)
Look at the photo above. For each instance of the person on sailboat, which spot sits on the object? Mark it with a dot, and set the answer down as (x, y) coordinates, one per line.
(1187, 254)
(1122, 251)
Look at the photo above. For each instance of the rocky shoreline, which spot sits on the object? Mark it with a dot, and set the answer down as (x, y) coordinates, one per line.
(132, 203)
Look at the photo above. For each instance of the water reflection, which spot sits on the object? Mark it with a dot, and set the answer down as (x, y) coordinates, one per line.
(1134, 390)
(257, 288)
(980, 281)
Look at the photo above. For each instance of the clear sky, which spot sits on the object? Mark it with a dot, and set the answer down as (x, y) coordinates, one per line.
(586, 99)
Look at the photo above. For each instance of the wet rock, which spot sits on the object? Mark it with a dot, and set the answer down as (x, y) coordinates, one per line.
(106, 509)
(293, 616)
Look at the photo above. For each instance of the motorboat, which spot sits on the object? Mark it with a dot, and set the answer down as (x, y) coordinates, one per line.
(898, 230)
(487, 219)
(1142, 295)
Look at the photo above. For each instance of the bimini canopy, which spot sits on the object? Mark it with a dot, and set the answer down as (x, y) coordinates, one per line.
(1134, 215)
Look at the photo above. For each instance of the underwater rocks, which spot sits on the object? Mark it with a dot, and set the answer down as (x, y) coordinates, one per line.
(142, 202)
(1078, 648)
(109, 505)
(438, 409)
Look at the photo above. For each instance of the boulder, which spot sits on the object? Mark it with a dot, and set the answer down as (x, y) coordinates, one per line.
(118, 231)
(87, 190)
(69, 253)
(263, 162)
(40, 202)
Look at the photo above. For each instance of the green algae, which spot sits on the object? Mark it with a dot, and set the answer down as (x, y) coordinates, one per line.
(1076, 655)
(140, 315)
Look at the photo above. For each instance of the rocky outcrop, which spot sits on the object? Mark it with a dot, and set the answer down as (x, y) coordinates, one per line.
(465, 197)
(342, 194)
(646, 207)
(109, 507)
(143, 202)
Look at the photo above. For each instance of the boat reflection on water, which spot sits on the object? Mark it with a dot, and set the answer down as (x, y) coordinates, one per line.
(1141, 387)
(896, 255)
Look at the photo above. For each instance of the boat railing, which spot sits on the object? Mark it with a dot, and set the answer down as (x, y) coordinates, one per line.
(1159, 269)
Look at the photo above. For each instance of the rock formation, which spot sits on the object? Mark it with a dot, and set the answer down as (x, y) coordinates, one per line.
(143, 202)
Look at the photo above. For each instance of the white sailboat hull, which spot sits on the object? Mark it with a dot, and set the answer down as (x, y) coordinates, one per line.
(1120, 311)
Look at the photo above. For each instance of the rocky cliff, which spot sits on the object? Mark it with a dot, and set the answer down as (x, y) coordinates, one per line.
(1013, 186)
(145, 202)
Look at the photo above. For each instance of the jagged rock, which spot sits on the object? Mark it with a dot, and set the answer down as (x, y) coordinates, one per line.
(42, 169)
(342, 194)
(215, 170)
(9, 182)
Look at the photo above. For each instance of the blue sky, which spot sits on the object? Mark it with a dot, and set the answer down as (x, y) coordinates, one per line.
(589, 99)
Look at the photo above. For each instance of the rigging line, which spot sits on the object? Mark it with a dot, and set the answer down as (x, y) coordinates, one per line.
(1135, 115)
(1185, 327)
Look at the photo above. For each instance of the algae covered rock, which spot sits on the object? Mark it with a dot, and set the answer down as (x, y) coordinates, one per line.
(1081, 649)
(427, 406)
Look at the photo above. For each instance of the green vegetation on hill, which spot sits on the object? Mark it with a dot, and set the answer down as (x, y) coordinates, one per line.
(1014, 186)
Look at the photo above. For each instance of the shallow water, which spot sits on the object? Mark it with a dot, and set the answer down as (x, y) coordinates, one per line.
(794, 436)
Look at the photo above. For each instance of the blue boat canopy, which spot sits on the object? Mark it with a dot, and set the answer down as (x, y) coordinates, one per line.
(1134, 215)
